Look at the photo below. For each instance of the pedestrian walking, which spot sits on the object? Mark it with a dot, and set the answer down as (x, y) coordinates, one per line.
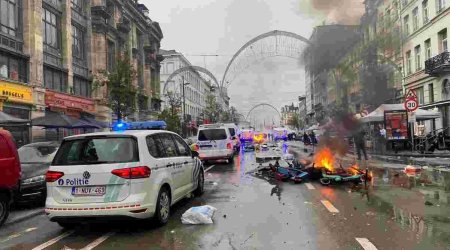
(382, 139)
(360, 140)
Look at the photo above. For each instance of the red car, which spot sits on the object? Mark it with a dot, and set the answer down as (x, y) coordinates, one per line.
(10, 169)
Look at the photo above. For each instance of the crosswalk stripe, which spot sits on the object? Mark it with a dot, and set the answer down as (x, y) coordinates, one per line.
(18, 234)
(53, 241)
(329, 206)
(206, 170)
(98, 241)
(310, 186)
(366, 244)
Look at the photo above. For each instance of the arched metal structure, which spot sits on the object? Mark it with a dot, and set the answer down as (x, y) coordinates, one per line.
(259, 105)
(270, 44)
(194, 69)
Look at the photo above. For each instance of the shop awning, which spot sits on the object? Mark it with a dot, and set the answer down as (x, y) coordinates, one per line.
(93, 122)
(378, 114)
(6, 119)
(59, 120)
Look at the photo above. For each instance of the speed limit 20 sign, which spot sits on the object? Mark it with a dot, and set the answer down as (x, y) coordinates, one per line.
(411, 103)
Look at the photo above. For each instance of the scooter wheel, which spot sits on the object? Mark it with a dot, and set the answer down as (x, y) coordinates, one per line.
(325, 181)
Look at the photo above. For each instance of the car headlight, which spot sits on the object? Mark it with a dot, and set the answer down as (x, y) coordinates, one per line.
(36, 179)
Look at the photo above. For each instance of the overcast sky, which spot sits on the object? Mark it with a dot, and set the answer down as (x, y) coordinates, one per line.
(222, 27)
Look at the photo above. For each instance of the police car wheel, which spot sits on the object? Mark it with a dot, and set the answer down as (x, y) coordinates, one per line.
(4, 208)
(201, 184)
(163, 207)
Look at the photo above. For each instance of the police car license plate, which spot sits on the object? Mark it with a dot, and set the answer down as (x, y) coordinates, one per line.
(89, 191)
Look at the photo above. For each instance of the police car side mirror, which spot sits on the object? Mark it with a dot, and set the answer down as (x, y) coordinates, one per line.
(194, 154)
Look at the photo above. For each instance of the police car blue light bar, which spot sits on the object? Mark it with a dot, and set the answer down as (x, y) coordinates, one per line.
(144, 125)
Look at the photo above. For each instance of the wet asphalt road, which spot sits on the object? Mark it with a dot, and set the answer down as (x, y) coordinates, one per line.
(253, 213)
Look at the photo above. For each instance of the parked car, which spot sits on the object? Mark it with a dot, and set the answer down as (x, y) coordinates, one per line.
(10, 173)
(132, 174)
(35, 159)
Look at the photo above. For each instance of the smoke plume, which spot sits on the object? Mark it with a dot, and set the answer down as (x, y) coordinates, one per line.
(340, 11)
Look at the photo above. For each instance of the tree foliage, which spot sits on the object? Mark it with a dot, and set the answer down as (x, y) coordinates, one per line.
(212, 110)
(173, 120)
(121, 94)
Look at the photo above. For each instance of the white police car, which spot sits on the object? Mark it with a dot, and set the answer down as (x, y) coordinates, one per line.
(133, 174)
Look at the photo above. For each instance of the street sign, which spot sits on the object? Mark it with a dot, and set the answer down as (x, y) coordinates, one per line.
(412, 117)
(411, 94)
(411, 104)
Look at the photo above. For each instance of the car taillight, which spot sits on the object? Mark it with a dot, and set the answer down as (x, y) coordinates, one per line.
(230, 146)
(132, 173)
(52, 176)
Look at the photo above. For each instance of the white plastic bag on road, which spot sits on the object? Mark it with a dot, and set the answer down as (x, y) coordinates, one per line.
(198, 215)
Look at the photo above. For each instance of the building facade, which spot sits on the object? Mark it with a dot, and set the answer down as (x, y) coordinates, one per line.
(196, 87)
(51, 50)
(427, 59)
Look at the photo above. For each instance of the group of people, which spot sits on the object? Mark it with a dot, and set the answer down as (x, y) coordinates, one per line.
(310, 138)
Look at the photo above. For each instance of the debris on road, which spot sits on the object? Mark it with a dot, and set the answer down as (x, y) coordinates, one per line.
(198, 215)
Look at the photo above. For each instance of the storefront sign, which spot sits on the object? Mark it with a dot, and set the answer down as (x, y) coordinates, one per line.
(16, 92)
(64, 101)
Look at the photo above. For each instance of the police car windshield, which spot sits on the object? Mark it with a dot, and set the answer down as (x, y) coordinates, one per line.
(97, 151)
(212, 134)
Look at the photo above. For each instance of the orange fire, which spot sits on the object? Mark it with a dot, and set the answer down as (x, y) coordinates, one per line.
(324, 158)
(354, 170)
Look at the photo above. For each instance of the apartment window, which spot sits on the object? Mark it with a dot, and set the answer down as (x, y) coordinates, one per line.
(77, 5)
(50, 30)
(13, 68)
(77, 42)
(417, 55)
(55, 79)
(406, 24)
(431, 92)
(443, 43)
(415, 18)
(81, 87)
(170, 68)
(440, 5)
(408, 62)
(10, 18)
(425, 11)
(420, 96)
(404, 3)
(111, 54)
(427, 49)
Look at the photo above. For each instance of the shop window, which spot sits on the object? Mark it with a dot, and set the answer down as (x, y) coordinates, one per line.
(55, 79)
(13, 68)
(82, 87)
(50, 29)
(77, 43)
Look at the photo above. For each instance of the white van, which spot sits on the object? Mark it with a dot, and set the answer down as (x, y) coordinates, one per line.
(214, 142)
(134, 174)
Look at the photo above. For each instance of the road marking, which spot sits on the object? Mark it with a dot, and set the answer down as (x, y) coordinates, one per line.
(366, 244)
(206, 170)
(18, 234)
(310, 186)
(98, 241)
(53, 241)
(329, 206)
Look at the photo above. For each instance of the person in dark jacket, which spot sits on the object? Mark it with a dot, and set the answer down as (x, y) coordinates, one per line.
(360, 142)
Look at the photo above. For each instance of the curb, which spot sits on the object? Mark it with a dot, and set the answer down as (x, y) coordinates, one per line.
(24, 217)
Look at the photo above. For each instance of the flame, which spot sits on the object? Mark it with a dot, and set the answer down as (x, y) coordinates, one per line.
(259, 138)
(354, 170)
(324, 158)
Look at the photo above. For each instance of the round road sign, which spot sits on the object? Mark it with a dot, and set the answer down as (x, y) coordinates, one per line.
(411, 105)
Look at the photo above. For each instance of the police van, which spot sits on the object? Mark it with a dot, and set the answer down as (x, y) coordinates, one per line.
(214, 142)
(131, 173)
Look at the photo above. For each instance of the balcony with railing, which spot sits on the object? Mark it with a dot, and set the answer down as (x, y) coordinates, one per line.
(438, 65)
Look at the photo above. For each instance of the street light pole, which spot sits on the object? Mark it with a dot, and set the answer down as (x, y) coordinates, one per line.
(183, 119)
